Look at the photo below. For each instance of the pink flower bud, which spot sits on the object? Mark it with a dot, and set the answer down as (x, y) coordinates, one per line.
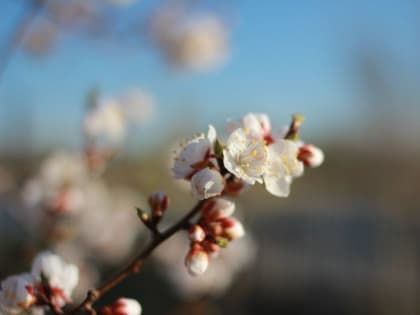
(217, 209)
(122, 306)
(232, 228)
(196, 261)
(311, 155)
(211, 248)
(196, 233)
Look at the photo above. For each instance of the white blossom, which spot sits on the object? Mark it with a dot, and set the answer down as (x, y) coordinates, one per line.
(283, 166)
(245, 156)
(257, 124)
(196, 151)
(16, 294)
(59, 274)
(207, 183)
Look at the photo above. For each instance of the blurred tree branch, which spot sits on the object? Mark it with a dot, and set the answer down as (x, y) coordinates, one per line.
(18, 32)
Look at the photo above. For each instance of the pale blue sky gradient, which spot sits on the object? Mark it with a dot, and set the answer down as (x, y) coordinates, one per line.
(286, 56)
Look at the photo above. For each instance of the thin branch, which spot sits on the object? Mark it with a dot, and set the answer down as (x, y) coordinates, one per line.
(18, 33)
(137, 263)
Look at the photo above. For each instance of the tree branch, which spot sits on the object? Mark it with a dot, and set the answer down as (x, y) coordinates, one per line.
(137, 263)
(17, 34)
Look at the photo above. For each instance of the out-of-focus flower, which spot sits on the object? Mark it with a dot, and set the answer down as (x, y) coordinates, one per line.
(283, 166)
(311, 155)
(58, 186)
(195, 42)
(105, 121)
(207, 183)
(62, 277)
(245, 156)
(122, 306)
(196, 260)
(195, 155)
(113, 209)
(16, 294)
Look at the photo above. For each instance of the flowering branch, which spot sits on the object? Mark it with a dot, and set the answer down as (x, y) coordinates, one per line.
(135, 266)
(252, 154)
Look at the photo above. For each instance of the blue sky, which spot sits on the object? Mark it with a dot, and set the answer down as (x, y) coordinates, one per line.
(286, 56)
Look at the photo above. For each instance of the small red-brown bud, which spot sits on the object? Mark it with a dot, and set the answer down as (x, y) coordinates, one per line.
(158, 202)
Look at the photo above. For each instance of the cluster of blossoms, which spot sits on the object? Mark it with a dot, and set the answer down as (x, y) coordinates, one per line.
(252, 154)
(50, 283)
(215, 229)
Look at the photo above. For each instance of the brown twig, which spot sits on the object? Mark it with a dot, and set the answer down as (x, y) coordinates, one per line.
(137, 263)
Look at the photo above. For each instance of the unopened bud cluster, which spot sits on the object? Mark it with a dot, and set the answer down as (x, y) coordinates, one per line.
(214, 230)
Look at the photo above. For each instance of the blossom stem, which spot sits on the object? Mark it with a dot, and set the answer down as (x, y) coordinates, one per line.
(137, 263)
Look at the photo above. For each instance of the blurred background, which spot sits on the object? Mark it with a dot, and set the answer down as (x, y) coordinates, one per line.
(344, 242)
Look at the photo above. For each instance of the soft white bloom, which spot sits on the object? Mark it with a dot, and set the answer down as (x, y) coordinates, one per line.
(311, 155)
(106, 121)
(196, 151)
(59, 274)
(245, 156)
(283, 166)
(207, 183)
(125, 306)
(196, 261)
(258, 124)
(16, 294)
